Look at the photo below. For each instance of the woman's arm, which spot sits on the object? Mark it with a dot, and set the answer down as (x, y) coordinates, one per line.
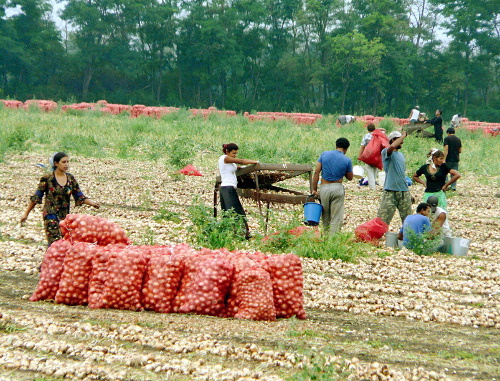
(417, 179)
(30, 207)
(88, 201)
(229, 159)
(455, 175)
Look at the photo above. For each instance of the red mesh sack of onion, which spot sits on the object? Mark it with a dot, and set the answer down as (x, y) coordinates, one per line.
(162, 280)
(92, 229)
(288, 281)
(74, 282)
(122, 288)
(51, 271)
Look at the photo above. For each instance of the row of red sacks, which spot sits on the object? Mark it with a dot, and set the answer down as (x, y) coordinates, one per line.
(95, 265)
(173, 279)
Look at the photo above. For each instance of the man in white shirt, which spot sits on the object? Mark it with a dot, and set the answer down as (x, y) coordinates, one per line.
(414, 114)
(346, 119)
(439, 217)
(456, 120)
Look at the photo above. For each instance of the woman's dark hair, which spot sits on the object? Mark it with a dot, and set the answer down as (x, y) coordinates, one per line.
(370, 127)
(422, 206)
(440, 112)
(58, 156)
(342, 143)
(438, 153)
(228, 147)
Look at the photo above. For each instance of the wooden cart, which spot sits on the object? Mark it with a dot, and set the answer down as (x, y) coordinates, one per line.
(257, 181)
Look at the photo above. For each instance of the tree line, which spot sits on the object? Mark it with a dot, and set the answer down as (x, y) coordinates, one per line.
(379, 57)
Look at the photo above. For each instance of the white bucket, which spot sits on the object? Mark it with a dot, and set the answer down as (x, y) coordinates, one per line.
(391, 239)
(459, 246)
(358, 171)
(381, 178)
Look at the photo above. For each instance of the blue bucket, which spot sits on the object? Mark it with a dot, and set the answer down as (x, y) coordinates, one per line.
(312, 213)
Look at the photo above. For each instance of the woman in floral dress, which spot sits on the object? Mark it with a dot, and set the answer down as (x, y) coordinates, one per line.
(58, 187)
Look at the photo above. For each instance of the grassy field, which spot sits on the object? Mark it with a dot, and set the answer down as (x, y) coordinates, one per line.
(373, 312)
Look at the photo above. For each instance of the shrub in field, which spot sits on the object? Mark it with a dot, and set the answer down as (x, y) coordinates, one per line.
(181, 151)
(226, 230)
(423, 244)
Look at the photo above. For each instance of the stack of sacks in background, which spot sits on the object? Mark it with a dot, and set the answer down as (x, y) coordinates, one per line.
(298, 118)
(95, 265)
(41, 104)
(211, 110)
(12, 103)
(154, 112)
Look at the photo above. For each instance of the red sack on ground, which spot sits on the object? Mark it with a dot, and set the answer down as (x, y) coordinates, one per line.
(371, 154)
(123, 286)
(51, 271)
(372, 230)
(190, 170)
(253, 290)
(99, 274)
(162, 280)
(74, 283)
(286, 275)
(209, 286)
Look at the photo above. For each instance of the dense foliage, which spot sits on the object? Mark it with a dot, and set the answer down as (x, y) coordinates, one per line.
(328, 56)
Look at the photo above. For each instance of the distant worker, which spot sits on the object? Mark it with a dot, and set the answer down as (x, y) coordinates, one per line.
(414, 114)
(371, 172)
(452, 151)
(333, 166)
(345, 119)
(437, 122)
(396, 193)
(456, 120)
(415, 225)
(439, 217)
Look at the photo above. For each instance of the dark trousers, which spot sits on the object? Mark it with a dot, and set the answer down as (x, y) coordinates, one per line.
(229, 200)
(438, 134)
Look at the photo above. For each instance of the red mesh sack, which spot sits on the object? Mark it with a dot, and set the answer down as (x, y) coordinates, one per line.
(241, 262)
(162, 280)
(371, 154)
(51, 271)
(190, 170)
(122, 289)
(99, 274)
(286, 275)
(372, 230)
(92, 229)
(253, 290)
(74, 283)
(209, 286)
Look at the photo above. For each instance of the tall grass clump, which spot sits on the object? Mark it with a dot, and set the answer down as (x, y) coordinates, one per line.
(224, 231)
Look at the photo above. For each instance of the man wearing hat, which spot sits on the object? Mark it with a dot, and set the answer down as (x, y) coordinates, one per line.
(396, 193)
(439, 217)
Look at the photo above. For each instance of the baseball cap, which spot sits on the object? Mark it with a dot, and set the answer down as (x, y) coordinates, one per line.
(433, 202)
(394, 134)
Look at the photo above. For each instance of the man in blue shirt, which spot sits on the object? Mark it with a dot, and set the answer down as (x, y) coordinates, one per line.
(396, 193)
(416, 225)
(333, 166)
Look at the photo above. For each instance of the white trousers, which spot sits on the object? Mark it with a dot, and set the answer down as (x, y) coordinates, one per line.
(371, 173)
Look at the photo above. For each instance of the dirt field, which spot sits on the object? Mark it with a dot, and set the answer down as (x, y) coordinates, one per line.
(393, 315)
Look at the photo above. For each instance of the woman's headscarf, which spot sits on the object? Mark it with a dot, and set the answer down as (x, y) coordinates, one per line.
(430, 157)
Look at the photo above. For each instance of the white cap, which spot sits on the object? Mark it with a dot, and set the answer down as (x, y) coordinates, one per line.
(394, 134)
